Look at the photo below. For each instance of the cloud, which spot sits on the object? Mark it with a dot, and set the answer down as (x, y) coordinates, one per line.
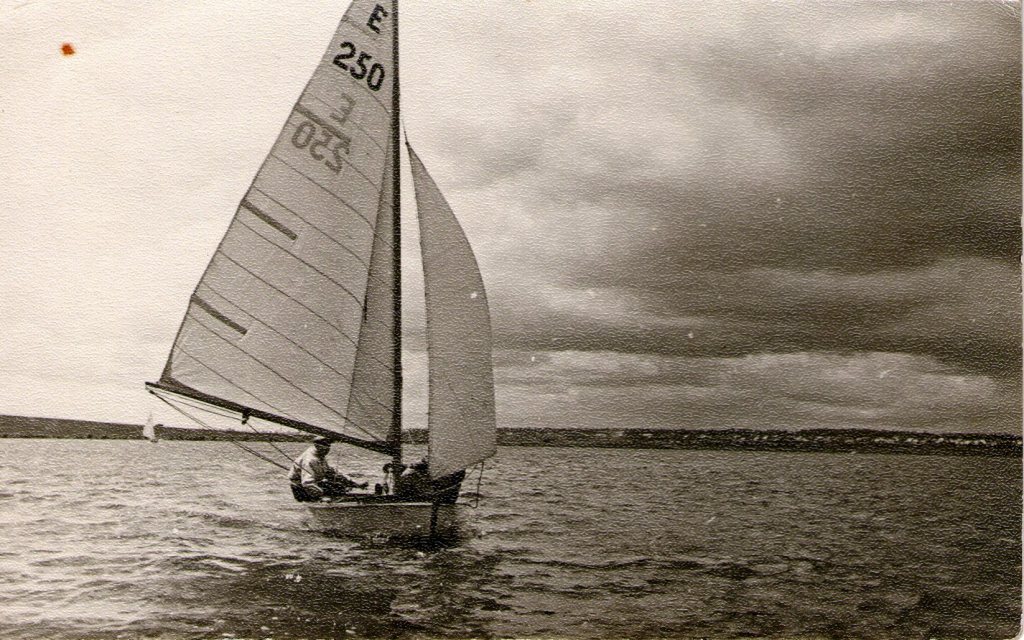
(679, 208)
(787, 391)
(770, 177)
(815, 188)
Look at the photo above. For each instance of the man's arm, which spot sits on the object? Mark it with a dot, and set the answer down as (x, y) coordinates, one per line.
(336, 477)
(309, 471)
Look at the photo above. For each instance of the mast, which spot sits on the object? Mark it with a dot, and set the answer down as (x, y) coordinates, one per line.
(288, 315)
(394, 438)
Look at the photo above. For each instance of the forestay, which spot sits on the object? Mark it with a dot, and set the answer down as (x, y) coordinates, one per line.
(281, 321)
(461, 417)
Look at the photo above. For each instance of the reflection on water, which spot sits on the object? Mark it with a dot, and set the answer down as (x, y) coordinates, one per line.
(198, 540)
(335, 591)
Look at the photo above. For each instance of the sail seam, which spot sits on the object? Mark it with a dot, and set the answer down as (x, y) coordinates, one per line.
(286, 295)
(272, 328)
(296, 301)
(286, 337)
(366, 266)
(329, 192)
(234, 384)
(365, 91)
(313, 226)
(286, 380)
(211, 409)
(354, 123)
(358, 27)
(300, 109)
(298, 259)
(325, 189)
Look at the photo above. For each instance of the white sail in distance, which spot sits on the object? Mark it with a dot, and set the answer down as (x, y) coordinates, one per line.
(461, 415)
(280, 321)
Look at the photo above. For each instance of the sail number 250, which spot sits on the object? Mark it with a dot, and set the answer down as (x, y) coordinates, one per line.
(305, 136)
(374, 74)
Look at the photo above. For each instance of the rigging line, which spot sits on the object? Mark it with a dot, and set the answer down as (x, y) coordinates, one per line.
(221, 413)
(188, 402)
(300, 260)
(270, 442)
(193, 404)
(191, 417)
(203, 424)
(304, 350)
(284, 379)
(479, 479)
(245, 421)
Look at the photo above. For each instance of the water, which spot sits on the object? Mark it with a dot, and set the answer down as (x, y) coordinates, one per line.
(128, 539)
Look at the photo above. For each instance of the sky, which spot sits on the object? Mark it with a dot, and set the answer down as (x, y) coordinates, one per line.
(687, 214)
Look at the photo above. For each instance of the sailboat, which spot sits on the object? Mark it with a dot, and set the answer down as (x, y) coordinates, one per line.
(297, 318)
(149, 429)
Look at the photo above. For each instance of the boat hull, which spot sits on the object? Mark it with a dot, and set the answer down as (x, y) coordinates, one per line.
(392, 519)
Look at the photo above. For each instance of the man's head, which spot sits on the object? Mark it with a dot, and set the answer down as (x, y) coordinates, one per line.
(322, 444)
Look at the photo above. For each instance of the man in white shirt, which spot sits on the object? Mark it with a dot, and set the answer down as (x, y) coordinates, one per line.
(312, 478)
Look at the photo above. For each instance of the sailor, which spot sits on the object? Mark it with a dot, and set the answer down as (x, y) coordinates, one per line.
(415, 484)
(312, 478)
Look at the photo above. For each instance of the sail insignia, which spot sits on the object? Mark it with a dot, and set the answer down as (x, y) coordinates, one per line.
(280, 320)
(297, 318)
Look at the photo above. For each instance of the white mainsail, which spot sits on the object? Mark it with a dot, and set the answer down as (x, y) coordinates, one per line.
(461, 418)
(277, 323)
(149, 429)
(297, 317)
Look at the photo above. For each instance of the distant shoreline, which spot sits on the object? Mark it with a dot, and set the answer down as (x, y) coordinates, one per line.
(806, 440)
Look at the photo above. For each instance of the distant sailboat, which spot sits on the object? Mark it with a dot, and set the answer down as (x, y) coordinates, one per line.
(297, 319)
(149, 429)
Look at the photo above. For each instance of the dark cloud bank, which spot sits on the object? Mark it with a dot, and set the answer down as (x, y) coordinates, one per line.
(839, 185)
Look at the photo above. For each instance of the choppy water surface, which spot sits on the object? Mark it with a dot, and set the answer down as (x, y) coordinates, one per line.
(125, 539)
